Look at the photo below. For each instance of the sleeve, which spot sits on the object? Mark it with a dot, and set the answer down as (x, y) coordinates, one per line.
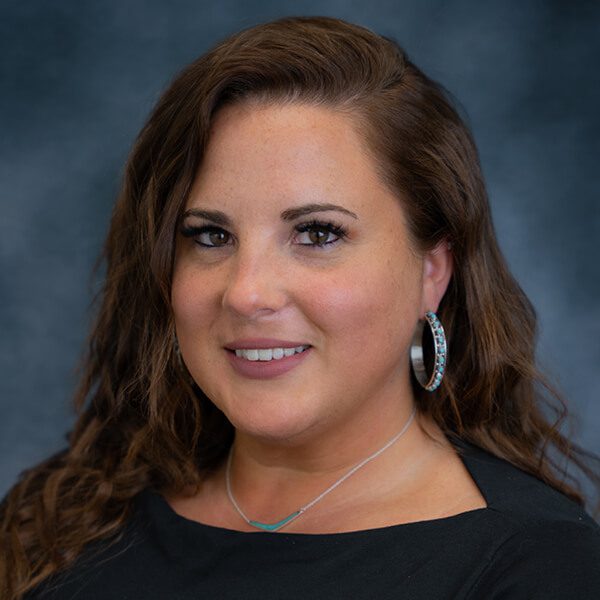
(554, 561)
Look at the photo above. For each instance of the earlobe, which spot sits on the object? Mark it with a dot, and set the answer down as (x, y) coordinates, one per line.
(437, 270)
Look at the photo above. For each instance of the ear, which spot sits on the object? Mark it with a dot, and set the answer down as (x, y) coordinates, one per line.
(437, 270)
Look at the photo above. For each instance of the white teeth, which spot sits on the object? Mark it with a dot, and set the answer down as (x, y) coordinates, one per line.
(267, 354)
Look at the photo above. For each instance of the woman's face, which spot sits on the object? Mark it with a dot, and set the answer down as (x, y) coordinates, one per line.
(290, 238)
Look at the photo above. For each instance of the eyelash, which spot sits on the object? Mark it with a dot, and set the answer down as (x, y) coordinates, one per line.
(336, 229)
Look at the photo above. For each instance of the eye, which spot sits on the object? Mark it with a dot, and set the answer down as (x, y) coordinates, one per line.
(316, 234)
(319, 233)
(208, 236)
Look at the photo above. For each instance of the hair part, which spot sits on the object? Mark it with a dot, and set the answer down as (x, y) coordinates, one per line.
(142, 423)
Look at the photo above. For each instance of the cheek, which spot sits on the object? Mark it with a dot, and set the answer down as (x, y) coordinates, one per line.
(371, 307)
(194, 316)
(189, 301)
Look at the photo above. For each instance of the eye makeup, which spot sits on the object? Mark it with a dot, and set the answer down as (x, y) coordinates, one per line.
(200, 233)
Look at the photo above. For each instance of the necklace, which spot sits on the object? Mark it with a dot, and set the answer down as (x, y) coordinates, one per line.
(303, 509)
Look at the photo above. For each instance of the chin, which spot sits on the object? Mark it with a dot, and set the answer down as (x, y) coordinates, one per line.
(274, 426)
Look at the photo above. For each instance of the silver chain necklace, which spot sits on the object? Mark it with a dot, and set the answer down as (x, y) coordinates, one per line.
(297, 513)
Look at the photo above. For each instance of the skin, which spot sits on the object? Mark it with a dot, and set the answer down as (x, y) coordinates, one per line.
(356, 301)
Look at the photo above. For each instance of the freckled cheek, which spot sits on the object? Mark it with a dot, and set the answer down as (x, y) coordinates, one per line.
(190, 300)
(362, 311)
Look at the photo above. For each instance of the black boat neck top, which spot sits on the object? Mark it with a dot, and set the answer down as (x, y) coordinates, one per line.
(530, 542)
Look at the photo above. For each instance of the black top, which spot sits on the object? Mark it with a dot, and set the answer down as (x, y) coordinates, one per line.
(529, 542)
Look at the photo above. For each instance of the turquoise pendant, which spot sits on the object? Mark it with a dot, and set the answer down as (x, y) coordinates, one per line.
(274, 526)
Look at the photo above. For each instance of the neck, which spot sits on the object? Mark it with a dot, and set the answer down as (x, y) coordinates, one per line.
(272, 480)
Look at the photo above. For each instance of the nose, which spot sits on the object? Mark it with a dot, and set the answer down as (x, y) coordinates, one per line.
(255, 283)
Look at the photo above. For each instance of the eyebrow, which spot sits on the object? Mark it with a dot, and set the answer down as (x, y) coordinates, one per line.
(220, 218)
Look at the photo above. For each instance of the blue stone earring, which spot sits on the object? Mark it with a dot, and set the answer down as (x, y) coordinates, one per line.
(441, 353)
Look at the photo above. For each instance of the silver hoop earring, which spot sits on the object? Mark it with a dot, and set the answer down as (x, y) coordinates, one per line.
(441, 353)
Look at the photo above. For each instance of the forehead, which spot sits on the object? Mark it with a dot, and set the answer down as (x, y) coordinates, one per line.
(292, 151)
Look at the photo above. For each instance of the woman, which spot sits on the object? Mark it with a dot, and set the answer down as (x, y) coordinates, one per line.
(312, 374)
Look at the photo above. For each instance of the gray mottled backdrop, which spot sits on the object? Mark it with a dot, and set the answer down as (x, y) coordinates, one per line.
(79, 78)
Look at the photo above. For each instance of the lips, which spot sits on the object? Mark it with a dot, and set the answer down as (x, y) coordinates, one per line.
(258, 369)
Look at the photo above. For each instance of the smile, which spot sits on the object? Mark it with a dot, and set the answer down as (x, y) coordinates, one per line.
(249, 364)
(267, 354)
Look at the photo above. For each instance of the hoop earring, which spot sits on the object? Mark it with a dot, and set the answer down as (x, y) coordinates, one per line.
(441, 353)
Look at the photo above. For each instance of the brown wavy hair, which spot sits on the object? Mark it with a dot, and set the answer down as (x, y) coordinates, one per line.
(142, 423)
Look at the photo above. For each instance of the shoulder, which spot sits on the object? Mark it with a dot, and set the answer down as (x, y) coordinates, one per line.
(547, 546)
(521, 498)
(547, 559)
